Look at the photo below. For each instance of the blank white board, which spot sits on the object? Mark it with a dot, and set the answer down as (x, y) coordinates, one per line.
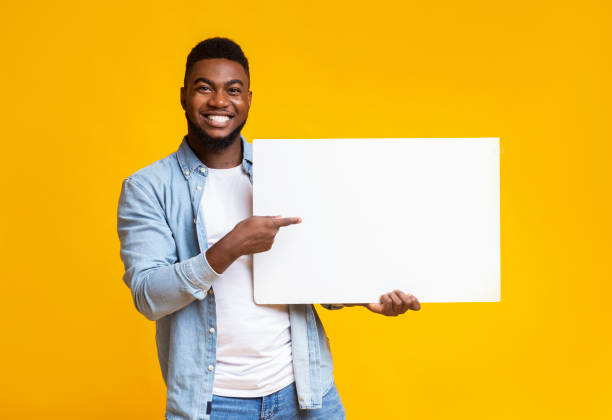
(419, 215)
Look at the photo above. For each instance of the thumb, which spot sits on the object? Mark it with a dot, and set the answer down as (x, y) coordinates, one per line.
(375, 307)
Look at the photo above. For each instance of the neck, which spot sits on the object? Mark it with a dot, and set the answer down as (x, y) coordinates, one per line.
(217, 159)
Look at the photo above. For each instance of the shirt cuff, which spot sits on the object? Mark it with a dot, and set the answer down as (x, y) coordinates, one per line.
(199, 272)
(208, 264)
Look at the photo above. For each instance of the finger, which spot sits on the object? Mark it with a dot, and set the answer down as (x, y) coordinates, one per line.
(407, 301)
(387, 304)
(375, 307)
(396, 303)
(416, 305)
(287, 221)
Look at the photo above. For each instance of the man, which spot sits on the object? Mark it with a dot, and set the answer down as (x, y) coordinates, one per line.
(187, 238)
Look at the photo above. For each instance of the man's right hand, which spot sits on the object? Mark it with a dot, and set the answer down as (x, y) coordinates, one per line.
(252, 235)
(256, 234)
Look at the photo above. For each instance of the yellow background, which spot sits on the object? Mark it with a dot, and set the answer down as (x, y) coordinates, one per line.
(90, 94)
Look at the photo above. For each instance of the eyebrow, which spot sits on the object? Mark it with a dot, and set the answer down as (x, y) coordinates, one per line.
(210, 82)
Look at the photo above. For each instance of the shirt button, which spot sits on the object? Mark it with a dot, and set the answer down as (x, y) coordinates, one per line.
(198, 188)
(194, 220)
(186, 173)
(202, 170)
(212, 330)
(210, 367)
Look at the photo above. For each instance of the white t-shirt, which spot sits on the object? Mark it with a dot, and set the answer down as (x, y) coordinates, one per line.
(253, 341)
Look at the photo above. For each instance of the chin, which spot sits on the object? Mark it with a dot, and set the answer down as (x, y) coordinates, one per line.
(218, 134)
(218, 140)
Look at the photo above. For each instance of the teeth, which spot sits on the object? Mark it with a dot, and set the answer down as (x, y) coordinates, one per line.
(218, 118)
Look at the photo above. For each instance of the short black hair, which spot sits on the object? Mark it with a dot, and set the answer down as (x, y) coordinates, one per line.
(216, 48)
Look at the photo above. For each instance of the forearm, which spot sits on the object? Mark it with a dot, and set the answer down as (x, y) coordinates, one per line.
(223, 253)
(163, 290)
(160, 284)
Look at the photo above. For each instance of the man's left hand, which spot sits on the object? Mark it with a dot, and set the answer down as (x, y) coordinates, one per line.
(394, 303)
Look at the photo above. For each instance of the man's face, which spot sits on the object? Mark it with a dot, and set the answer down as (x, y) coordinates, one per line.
(216, 100)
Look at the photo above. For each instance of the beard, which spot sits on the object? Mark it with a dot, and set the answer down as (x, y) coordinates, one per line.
(213, 144)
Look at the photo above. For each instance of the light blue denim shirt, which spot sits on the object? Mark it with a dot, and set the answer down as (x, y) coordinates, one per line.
(163, 244)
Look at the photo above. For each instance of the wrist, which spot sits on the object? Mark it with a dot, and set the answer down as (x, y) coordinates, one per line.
(231, 245)
(222, 254)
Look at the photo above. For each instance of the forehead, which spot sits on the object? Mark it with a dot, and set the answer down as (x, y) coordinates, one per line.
(218, 70)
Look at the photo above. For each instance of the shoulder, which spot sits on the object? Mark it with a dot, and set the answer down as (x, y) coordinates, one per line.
(156, 181)
(157, 174)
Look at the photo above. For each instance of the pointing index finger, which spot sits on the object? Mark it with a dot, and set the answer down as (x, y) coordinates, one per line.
(286, 221)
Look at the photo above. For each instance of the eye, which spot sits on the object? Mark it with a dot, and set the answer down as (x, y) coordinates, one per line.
(203, 89)
(234, 91)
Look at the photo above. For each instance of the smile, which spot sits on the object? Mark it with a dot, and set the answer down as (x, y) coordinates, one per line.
(217, 121)
(218, 118)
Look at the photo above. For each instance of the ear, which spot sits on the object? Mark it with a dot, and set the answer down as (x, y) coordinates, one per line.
(250, 97)
(183, 103)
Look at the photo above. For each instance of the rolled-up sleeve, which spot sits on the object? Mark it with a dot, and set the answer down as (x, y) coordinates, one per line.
(160, 285)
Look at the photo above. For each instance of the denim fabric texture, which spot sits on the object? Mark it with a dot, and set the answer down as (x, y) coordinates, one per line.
(163, 244)
(281, 405)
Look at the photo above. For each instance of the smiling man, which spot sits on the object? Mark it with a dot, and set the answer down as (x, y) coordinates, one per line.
(187, 238)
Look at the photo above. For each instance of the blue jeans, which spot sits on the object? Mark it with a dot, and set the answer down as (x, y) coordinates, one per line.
(281, 405)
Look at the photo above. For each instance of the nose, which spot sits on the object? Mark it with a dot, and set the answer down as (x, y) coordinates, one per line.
(218, 99)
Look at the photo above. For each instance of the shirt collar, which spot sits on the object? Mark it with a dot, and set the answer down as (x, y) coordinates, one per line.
(189, 162)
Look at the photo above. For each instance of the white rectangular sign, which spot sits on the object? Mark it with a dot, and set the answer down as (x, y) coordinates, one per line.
(419, 215)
